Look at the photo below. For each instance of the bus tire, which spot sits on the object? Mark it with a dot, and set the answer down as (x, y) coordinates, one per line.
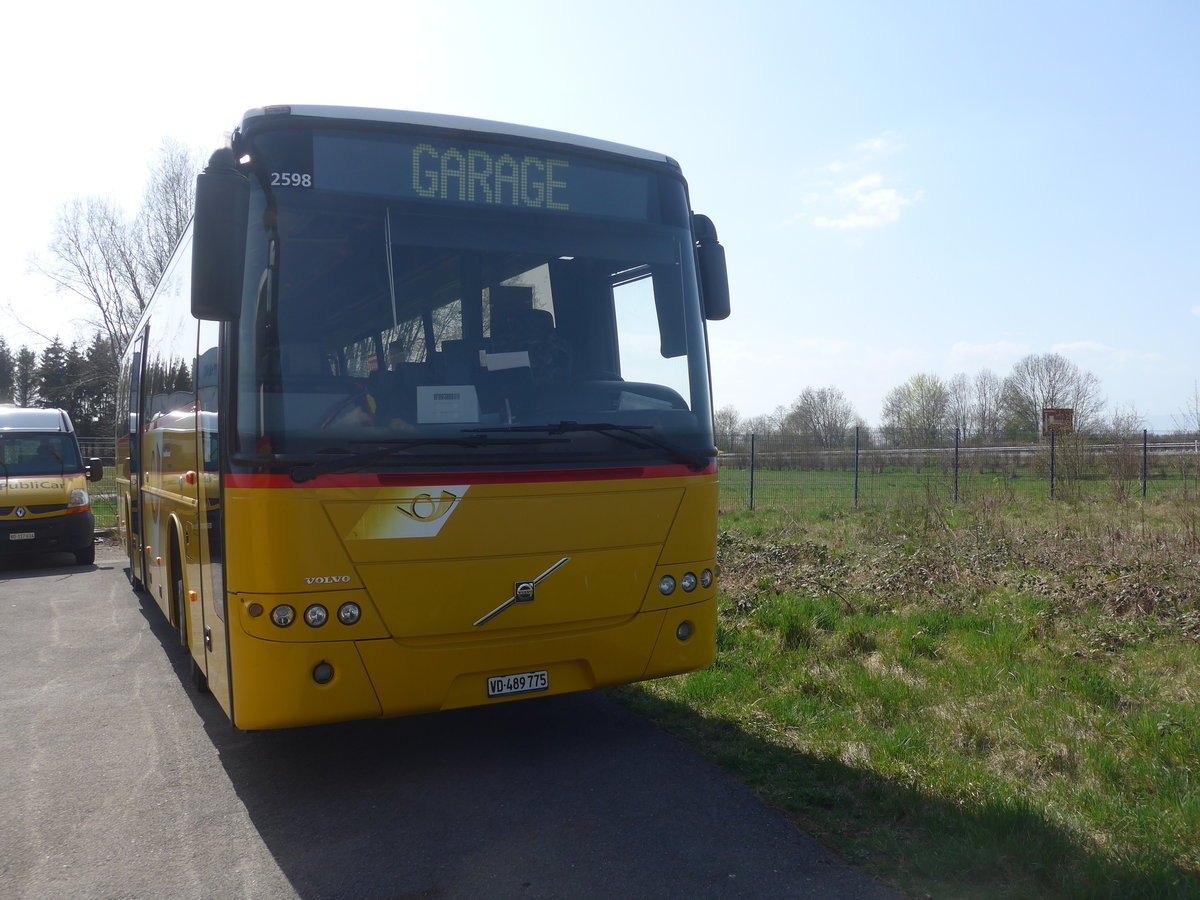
(199, 679)
(86, 556)
(178, 594)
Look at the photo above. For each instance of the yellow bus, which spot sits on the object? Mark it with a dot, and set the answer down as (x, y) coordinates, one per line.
(419, 417)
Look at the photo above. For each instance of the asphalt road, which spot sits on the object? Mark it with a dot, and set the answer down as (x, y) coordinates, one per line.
(118, 780)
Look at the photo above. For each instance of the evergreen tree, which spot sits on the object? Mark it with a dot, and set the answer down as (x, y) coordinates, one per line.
(52, 378)
(8, 368)
(25, 378)
(98, 393)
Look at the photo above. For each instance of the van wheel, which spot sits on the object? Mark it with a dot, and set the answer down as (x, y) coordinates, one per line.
(85, 557)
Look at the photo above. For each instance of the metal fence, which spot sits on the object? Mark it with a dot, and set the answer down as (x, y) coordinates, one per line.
(760, 471)
(764, 471)
(104, 491)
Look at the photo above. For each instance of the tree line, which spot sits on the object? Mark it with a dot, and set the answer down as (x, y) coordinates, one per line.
(76, 378)
(983, 409)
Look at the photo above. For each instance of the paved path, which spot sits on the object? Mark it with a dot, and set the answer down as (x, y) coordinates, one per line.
(118, 780)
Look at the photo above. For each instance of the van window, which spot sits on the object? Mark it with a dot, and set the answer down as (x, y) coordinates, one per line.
(39, 454)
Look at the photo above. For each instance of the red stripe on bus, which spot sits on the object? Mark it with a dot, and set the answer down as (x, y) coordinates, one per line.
(385, 479)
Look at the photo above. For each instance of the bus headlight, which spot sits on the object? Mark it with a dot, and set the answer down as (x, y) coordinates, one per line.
(706, 578)
(349, 613)
(688, 582)
(79, 497)
(666, 585)
(283, 615)
(316, 616)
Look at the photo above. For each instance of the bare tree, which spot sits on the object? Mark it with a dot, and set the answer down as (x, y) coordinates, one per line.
(1188, 420)
(167, 206)
(112, 262)
(1051, 381)
(986, 411)
(916, 411)
(726, 420)
(960, 403)
(766, 424)
(822, 415)
(94, 254)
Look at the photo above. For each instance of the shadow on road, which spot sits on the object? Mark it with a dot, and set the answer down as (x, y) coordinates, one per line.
(40, 565)
(556, 797)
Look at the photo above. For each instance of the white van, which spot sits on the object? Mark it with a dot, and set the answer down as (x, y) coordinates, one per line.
(44, 502)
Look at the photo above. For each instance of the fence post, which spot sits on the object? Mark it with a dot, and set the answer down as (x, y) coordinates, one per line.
(1053, 431)
(1145, 456)
(856, 428)
(752, 470)
(956, 433)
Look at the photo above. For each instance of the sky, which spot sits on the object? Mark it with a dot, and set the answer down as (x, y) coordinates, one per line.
(901, 188)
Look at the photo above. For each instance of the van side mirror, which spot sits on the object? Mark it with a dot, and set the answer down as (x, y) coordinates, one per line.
(714, 277)
(95, 469)
(219, 238)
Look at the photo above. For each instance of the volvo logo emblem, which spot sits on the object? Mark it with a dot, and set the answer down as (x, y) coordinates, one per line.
(523, 591)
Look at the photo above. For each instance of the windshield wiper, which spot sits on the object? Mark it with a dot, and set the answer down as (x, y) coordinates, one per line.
(354, 460)
(633, 435)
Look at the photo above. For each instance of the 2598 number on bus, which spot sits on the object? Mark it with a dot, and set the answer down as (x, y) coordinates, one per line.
(521, 683)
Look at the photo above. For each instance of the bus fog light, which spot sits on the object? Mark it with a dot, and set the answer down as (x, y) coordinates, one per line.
(254, 610)
(666, 585)
(322, 673)
(349, 613)
(283, 616)
(706, 578)
(688, 582)
(316, 615)
(684, 631)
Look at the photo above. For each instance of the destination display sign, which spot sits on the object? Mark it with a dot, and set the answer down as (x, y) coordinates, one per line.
(465, 173)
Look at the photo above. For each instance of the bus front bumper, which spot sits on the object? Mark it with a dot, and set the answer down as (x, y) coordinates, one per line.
(282, 685)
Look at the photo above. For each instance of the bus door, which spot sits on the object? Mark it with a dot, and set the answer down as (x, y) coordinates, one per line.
(211, 545)
(137, 556)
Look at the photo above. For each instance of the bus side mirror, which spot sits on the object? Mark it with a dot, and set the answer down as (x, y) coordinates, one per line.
(95, 469)
(219, 238)
(714, 277)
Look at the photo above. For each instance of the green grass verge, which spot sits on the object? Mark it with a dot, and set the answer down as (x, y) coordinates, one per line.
(835, 489)
(987, 701)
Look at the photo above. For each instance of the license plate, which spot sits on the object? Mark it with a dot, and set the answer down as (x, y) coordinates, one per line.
(521, 683)
(21, 536)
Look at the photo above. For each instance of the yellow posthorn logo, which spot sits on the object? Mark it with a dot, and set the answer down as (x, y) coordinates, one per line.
(423, 508)
(417, 515)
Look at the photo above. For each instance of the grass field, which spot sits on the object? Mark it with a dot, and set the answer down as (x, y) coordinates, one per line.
(998, 699)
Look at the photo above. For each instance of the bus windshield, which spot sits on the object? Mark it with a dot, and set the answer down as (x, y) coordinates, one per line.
(467, 332)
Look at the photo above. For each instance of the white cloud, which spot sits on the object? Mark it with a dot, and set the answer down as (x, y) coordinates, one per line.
(877, 146)
(871, 205)
(853, 195)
